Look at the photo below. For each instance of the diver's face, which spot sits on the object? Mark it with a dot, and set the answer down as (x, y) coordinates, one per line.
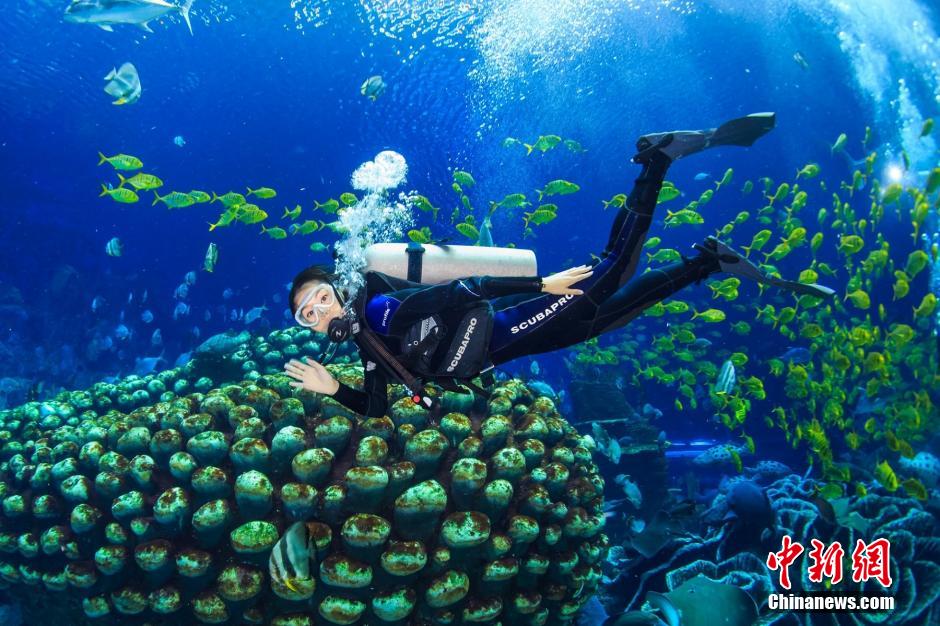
(317, 306)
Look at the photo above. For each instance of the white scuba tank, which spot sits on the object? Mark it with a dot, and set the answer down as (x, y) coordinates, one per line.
(439, 264)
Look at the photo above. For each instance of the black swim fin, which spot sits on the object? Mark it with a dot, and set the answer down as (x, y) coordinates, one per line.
(735, 263)
(743, 131)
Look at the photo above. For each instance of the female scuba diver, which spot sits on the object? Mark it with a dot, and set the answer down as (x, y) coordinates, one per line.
(451, 332)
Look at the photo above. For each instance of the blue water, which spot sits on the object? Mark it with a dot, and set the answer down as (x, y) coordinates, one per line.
(271, 97)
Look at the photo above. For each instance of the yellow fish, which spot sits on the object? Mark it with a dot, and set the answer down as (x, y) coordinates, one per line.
(874, 362)
(727, 288)
(811, 331)
(916, 262)
(826, 269)
(123, 162)
(850, 244)
(808, 276)
(758, 242)
(900, 335)
(901, 285)
(810, 170)
(265, 193)
(859, 299)
(778, 253)
(786, 316)
(915, 488)
(926, 306)
(683, 216)
(120, 194)
(710, 315)
(886, 476)
(797, 237)
(816, 242)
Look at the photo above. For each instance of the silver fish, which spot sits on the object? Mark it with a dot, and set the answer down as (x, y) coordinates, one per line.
(373, 87)
(486, 236)
(114, 247)
(212, 257)
(255, 314)
(726, 378)
(106, 13)
(223, 343)
(146, 365)
(181, 310)
(123, 84)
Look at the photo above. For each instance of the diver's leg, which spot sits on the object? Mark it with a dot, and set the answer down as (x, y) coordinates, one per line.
(547, 320)
(518, 318)
(656, 152)
(658, 284)
(649, 288)
(633, 219)
(514, 337)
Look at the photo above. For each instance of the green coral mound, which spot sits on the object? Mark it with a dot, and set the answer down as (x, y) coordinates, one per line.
(176, 510)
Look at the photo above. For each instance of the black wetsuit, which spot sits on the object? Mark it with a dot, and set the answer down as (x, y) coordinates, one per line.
(511, 317)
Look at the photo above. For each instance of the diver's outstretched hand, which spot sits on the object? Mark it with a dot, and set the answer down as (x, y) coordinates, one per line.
(311, 376)
(560, 283)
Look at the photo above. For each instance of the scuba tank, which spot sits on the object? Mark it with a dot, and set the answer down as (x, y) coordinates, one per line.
(434, 264)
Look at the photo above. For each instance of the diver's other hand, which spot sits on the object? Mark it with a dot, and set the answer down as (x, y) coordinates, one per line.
(560, 283)
(311, 376)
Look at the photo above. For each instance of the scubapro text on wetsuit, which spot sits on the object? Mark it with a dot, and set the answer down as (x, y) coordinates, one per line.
(541, 315)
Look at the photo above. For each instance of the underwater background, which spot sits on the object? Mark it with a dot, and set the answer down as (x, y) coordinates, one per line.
(826, 427)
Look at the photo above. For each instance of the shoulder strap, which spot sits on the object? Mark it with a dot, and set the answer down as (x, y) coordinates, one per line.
(378, 282)
(400, 371)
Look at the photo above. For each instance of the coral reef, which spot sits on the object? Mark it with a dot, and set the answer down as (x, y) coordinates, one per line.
(164, 498)
(911, 527)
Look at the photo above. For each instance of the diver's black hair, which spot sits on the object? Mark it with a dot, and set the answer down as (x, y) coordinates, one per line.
(314, 273)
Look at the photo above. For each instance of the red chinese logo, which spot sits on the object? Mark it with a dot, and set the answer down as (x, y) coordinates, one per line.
(826, 562)
(872, 561)
(783, 559)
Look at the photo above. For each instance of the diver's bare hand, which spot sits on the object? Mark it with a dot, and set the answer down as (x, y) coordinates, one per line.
(311, 376)
(560, 283)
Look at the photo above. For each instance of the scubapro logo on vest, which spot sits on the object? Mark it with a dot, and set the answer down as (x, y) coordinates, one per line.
(463, 345)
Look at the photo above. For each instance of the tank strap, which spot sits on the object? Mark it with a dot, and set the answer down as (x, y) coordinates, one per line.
(415, 252)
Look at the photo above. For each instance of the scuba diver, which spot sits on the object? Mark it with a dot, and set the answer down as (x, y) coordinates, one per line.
(451, 332)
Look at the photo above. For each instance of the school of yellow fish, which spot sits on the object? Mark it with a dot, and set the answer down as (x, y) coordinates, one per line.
(238, 207)
(876, 345)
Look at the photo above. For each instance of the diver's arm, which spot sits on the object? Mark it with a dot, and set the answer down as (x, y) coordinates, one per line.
(372, 401)
(420, 303)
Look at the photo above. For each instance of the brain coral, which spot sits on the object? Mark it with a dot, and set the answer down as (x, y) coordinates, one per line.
(170, 512)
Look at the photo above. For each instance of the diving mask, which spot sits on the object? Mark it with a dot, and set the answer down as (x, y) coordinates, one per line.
(322, 297)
